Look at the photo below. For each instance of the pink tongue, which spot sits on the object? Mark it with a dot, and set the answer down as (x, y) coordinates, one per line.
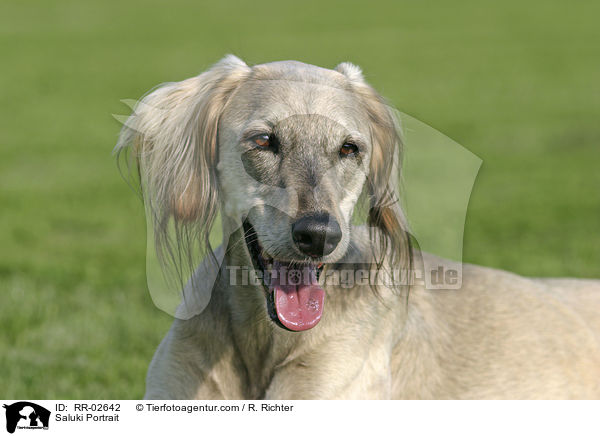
(298, 297)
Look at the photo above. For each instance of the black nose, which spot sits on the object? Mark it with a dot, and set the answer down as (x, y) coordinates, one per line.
(316, 234)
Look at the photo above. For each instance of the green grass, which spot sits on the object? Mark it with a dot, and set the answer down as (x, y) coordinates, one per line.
(515, 82)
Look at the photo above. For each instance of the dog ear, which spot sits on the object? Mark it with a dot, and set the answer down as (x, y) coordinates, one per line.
(385, 212)
(351, 71)
(172, 137)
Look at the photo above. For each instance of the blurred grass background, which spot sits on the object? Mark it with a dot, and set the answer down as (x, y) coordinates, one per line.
(515, 82)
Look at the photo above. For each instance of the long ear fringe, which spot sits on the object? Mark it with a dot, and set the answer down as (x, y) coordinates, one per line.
(171, 144)
(388, 227)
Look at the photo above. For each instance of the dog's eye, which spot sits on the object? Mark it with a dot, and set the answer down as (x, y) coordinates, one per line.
(263, 141)
(348, 149)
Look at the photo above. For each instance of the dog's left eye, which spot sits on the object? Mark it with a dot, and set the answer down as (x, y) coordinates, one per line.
(348, 149)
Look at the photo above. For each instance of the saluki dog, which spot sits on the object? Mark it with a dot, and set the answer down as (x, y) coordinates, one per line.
(283, 156)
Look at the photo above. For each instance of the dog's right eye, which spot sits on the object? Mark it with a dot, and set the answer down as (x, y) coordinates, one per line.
(263, 141)
(266, 142)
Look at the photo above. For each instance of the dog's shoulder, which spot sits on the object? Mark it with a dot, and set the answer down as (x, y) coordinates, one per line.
(195, 353)
(581, 296)
(535, 338)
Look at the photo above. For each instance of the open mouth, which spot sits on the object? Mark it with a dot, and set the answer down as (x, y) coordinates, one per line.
(294, 298)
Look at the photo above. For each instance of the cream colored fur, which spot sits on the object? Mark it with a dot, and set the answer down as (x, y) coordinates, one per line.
(499, 336)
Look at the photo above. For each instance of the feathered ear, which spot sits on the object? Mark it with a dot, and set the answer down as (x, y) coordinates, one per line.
(172, 136)
(385, 211)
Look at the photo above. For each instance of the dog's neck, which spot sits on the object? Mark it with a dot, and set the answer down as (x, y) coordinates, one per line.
(262, 344)
(265, 346)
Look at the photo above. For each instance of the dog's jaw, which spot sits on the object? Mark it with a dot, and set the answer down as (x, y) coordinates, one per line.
(293, 295)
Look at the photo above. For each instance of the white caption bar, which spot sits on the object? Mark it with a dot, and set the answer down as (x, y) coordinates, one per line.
(290, 418)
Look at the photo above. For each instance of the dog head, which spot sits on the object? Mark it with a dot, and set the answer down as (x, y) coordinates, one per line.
(283, 151)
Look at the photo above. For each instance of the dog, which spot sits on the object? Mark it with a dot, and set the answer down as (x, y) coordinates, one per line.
(282, 155)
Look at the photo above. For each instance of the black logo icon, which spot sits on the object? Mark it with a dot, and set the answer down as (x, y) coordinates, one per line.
(26, 415)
